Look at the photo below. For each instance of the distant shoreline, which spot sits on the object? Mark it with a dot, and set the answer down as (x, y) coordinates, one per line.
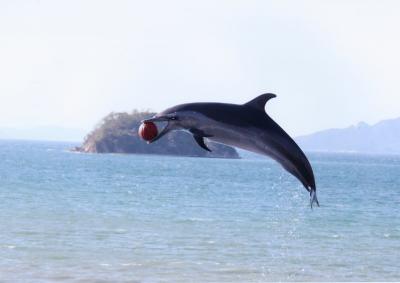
(242, 153)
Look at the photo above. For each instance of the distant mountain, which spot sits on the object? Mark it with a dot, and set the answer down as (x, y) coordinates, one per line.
(383, 137)
(118, 133)
(45, 133)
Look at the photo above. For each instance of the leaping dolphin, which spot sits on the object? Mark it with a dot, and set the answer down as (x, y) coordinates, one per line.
(245, 126)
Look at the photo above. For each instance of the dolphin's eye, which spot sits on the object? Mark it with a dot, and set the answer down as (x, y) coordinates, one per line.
(173, 118)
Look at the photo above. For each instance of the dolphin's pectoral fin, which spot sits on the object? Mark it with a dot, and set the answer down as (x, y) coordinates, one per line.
(200, 142)
(199, 138)
(260, 101)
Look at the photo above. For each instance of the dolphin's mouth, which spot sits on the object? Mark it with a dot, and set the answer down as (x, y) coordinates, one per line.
(162, 122)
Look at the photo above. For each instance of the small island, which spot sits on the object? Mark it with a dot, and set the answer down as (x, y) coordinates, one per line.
(118, 133)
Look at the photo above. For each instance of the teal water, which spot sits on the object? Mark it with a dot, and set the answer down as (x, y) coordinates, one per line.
(68, 217)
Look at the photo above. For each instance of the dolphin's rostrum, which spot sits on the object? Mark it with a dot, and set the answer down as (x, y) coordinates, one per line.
(245, 126)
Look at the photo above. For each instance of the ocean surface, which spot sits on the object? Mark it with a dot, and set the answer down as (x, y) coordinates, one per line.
(70, 217)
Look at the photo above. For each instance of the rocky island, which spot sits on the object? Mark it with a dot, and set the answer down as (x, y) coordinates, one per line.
(118, 133)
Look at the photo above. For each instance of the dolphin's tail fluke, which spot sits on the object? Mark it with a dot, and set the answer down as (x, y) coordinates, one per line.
(313, 197)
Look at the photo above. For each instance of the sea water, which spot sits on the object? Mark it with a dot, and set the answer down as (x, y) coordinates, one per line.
(69, 217)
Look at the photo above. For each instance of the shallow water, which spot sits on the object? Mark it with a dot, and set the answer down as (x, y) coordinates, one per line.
(69, 217)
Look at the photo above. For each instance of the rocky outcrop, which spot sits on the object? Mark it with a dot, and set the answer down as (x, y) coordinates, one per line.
(118, 133)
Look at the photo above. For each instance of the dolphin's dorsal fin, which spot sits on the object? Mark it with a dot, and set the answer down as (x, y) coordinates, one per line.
(260, 101)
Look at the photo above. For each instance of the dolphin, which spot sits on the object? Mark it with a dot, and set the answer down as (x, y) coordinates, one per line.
(246, 126)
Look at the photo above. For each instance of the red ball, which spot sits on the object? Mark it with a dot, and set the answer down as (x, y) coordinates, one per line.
(148, 131)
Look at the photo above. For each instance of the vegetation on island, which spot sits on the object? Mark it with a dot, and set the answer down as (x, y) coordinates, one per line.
(118, 133)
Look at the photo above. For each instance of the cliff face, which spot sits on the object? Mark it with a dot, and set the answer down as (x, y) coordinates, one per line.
(118, 133)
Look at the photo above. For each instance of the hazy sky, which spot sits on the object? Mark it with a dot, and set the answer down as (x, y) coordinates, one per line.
(69, 63)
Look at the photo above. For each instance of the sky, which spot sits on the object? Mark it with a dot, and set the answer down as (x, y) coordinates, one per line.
(69, 63)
